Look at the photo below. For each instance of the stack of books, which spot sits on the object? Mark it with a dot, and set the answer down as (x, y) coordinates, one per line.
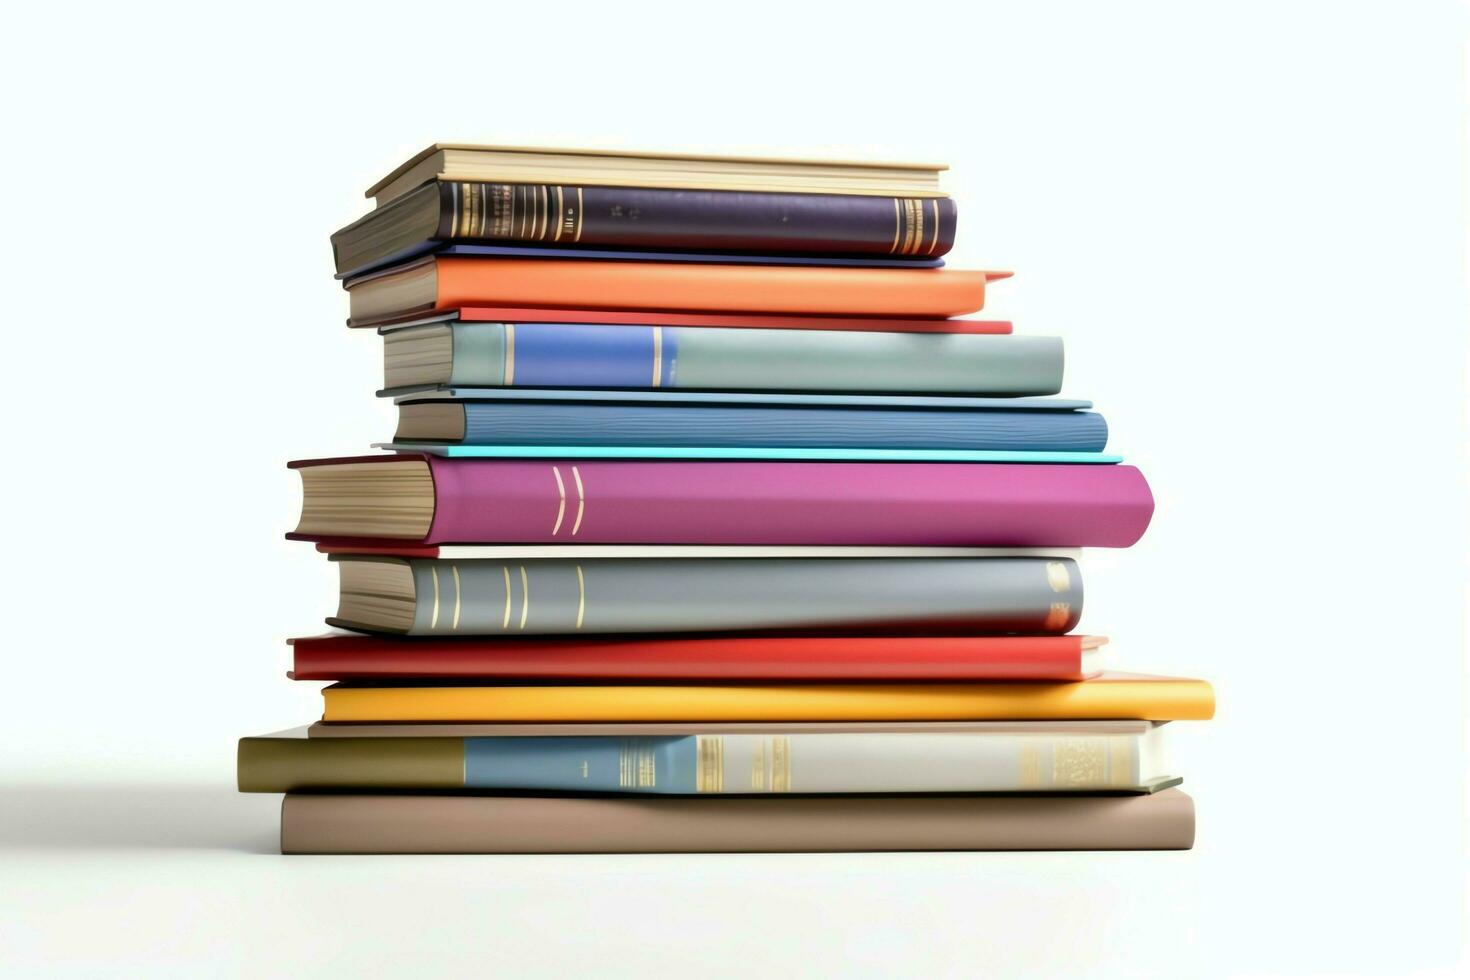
(714, 521)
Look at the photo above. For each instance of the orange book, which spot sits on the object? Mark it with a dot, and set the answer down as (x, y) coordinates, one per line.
(450, 281)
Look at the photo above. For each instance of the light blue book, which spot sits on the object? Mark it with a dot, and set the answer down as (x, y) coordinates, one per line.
(747, 452)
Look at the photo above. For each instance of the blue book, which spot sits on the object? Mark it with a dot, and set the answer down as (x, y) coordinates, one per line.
(742, 426)
(750, 452)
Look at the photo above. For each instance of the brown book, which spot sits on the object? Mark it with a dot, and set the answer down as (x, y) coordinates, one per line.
(410, 824)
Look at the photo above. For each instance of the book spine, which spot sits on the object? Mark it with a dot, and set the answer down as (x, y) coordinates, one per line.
(719, 221)
(575, 355)
(724, 763)
(741, 657)
(998, 595)
(552, 424)
(418, 824)
(775, 503)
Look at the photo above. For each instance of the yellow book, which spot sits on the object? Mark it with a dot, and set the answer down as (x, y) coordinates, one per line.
(1114, 695)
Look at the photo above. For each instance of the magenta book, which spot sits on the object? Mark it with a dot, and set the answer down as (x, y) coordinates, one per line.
(432, 500)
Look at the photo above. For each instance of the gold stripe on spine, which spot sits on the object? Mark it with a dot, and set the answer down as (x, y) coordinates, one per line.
(525, 597)
(581, 501)
(1057, 576)
(473, 199)
(709, 771)
(483, 197)
(510, 355)
(1120, 761)
(897, 225)
(758, 767)
(578, 236)
(918, 226)
(1028, 765)
(561, 507)
(781, 764)
(581, 596)
(434, 616)
(505, 620)
(560, 214)
(545, 211)
(1057, 617)
(934, 243)
(462, 219)
(658, 356)
(454, 624)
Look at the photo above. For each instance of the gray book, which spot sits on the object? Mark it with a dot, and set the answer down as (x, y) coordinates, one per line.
(485, 597)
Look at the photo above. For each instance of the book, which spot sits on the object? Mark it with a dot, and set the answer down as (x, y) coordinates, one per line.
(440, 282)
(852, 454)
(433, 501)
(665, 396)
(584, 423)
(713, 656)
(421, 596)
(575, 217)
(1111, 695)
(329, 823)
(1036, 761)
(578, 355)
(739, 321)
(516, 552)
(619, 168)
(624, 729)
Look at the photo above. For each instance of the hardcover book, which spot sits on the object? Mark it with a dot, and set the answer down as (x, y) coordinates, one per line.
(572, 217)
(421, 596)
(1111, 695)
(451, 162)
(444, 282)
(1036, 761)
(711, 656)
(327, 823)
(465, 313)
(429, 500)
(576, 355)
(586, 423)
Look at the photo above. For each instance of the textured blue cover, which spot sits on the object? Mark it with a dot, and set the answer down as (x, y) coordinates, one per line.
(752, 452)
(593, 424)
(630, 255)
(589, 764)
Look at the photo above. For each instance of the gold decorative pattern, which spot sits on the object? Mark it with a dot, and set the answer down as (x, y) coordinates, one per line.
(1078, 762)
(560, 215)
(637, 764)
(581, 501)
(709, 770)
(581, 596)
(1057, 576)
(781, 764)
(434, 616)
(758, 767)
(525, 597)
(934, 243)
(561, 507)
(454, 624)
(578, 236)
(1029, 766)
(658, 356)
(505, 620)
(510, 355)
(1058, 616)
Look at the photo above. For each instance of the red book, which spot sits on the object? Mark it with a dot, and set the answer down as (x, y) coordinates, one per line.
(523, 314)
(713, 656)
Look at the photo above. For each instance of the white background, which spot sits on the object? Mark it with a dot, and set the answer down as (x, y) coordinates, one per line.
(1247, 219)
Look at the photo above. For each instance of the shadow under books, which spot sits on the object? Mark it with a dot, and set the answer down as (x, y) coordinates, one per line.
(136, 816)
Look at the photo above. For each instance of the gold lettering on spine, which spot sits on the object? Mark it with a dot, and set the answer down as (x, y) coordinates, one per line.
(434, 616)
(581, 596)
(454, 624)
(581, 502)
(578, 236)
(658, 356)
(1057, 577)
(709, 771)
(560, 214)
(561, 507)
(505, 620)
(462, 219)
(510, 355)
(525, 597)
(897, 225)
